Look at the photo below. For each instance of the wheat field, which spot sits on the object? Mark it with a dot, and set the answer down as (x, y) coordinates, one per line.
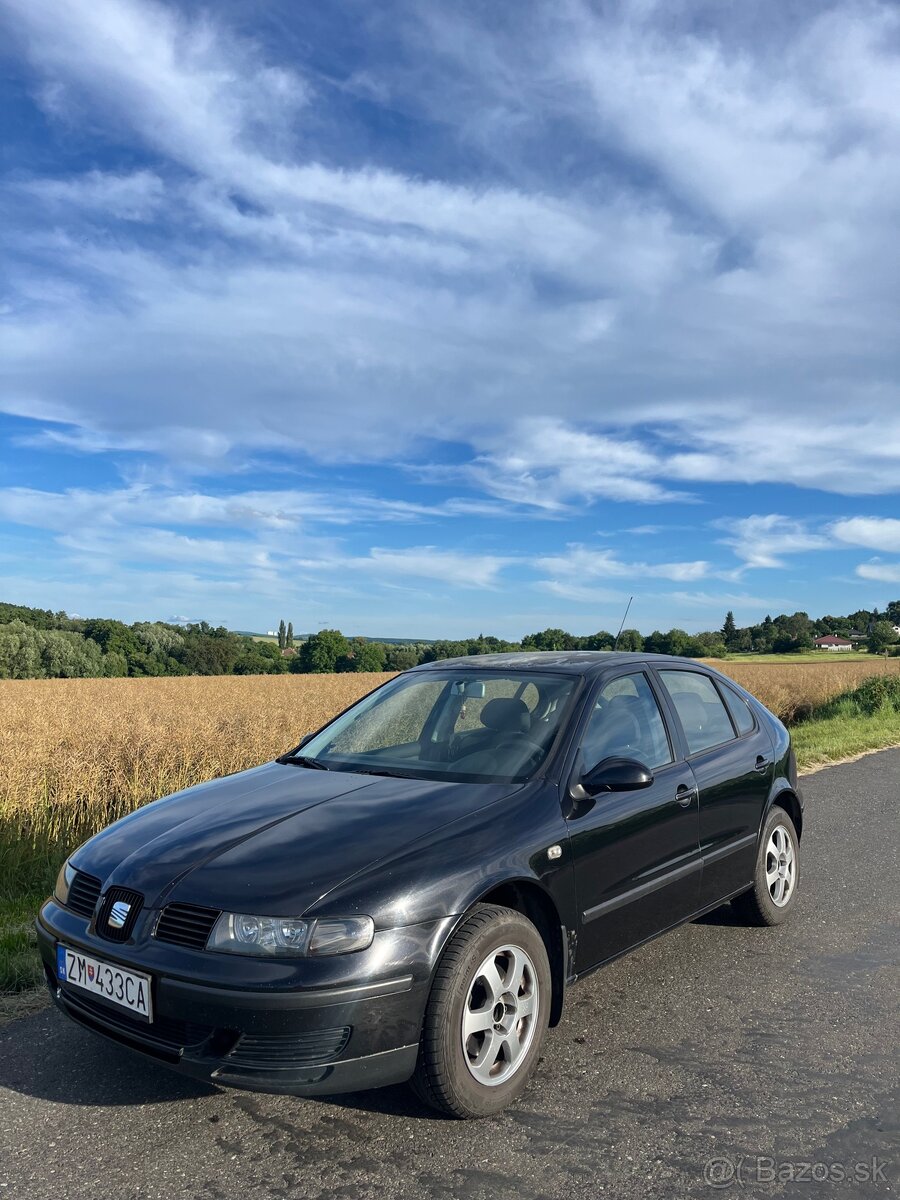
(793, 690)
(76, 754)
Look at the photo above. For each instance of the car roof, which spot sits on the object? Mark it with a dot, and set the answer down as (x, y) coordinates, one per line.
(568, 662)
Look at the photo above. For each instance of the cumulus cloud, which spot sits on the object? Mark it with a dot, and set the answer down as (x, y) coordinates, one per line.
(617, 255)
(875, 533)
(763, 541)
(542, 462)
(719, 267)
(881, 572)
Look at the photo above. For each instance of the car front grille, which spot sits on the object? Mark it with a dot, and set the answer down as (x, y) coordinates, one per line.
(118, 899)
(186, 925)
(273, 1051)
(83, 894)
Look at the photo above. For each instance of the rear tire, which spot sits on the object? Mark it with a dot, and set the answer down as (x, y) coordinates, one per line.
(773, 895)
(487, 1015)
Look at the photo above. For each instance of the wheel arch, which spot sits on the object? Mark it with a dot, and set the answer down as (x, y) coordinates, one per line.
(529, 898)
(787, 799)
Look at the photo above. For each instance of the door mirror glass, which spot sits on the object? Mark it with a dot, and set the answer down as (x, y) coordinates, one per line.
(616, 775)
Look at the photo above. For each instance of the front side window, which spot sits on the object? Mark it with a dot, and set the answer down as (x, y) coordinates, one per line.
(626, 722)
(700, 709)
(450, 725)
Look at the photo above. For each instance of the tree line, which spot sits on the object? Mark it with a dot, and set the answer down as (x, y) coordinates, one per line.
(40, 644)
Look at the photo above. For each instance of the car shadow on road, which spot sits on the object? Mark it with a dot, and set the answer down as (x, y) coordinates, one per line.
(724, 915)
(48, 1057)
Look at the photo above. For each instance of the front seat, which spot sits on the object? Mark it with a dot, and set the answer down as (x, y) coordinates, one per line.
(615, 733)
(506, 715)
(506, 742)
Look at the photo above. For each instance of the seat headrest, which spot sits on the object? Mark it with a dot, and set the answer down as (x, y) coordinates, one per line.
(691, 710)
(506, 715)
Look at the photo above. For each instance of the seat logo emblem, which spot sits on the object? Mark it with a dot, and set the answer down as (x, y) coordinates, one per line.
(118, 914)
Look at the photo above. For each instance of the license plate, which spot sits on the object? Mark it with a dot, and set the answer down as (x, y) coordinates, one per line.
(128, 989)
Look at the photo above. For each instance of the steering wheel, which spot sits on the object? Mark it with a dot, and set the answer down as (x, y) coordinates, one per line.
(515, 741)
(508, 741)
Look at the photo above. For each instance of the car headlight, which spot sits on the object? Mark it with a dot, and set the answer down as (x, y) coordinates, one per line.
(242, 933)
(64, 882)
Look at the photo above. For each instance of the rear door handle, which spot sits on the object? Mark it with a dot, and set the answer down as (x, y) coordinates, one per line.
(762, 764)
(685, 794)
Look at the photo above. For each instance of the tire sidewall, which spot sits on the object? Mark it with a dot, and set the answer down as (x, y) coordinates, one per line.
(476, 1098)
(775, 914)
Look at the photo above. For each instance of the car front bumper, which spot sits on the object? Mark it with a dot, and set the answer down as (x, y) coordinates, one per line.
(314, 1036)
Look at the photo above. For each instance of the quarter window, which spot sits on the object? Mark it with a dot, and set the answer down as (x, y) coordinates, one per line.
(626, 721)
(740, 711)
(700, 709)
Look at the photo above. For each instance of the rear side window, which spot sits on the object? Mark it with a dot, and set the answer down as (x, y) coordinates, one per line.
(700, 709)
(740, 711)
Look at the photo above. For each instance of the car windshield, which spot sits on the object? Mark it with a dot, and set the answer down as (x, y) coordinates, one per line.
(490, 727)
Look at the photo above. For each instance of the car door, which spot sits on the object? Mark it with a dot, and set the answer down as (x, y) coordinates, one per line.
(635, 854)
(732, 760)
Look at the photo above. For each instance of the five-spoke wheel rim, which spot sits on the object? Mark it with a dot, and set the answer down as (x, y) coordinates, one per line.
(500, 1015)
(781, 866)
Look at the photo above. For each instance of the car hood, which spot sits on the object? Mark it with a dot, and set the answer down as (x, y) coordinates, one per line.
(274, 839)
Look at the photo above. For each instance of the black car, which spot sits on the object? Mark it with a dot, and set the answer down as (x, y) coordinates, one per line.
(411, 892)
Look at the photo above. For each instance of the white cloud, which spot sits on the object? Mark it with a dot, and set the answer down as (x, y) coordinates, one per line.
(763, 541)
(570, 573)
(709, 254)
(542, 462)
(286, 511)
(881, 572)
(875, 533)
(456, 568)
(136, 196)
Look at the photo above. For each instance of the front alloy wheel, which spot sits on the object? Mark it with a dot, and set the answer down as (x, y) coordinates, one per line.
(500, 1016)
(487, 1015)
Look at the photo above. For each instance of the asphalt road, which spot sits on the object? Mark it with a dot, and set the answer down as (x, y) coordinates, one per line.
(765, 1049)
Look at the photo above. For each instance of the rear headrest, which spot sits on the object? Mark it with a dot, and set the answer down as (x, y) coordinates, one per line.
(506, 715)
(691, 709)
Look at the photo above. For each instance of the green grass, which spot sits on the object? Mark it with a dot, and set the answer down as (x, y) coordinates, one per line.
(28, 875)
(20, 966)
(818, 743)
(868, 718)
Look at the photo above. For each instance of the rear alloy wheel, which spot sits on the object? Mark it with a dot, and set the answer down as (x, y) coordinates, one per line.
(486, 1016)
(774, 890)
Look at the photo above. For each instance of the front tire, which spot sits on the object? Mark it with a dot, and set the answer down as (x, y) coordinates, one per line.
(487, 1015)
(772, 897)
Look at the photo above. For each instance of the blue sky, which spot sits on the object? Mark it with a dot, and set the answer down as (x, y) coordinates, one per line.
(425, 320)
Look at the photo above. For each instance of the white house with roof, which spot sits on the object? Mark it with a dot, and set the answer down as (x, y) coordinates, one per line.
(831, 641)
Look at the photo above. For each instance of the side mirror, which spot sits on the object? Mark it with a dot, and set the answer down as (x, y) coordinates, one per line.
(616, 775)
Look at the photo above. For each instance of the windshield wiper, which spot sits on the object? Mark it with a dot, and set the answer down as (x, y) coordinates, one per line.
(302, 760)
(381, 771)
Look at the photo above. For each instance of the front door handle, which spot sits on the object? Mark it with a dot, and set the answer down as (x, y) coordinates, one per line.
(762, 764)
(685, 794)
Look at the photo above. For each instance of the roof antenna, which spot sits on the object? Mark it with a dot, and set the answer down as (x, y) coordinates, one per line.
(622, 626)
